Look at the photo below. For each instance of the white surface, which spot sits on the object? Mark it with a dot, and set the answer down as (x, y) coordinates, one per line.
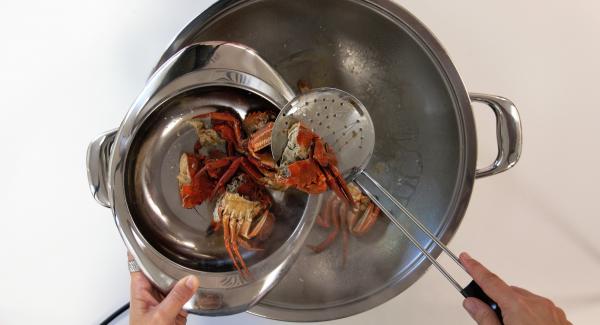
(70, 69)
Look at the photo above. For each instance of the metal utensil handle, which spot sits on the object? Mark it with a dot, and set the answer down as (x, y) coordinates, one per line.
(471, 290)
(508, 133)
(413, 219)
(98, 156)
(360, 181)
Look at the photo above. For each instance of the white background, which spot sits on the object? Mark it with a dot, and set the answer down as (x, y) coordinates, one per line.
(70, 69)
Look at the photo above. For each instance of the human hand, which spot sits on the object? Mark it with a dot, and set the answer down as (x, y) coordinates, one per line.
(150, 306)
(519, 306)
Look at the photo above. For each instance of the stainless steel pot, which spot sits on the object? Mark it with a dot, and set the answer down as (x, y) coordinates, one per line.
(425, 152)
(133, 171)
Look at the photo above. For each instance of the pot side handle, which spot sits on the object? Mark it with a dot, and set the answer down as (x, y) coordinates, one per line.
(98, 156)
(508, 133)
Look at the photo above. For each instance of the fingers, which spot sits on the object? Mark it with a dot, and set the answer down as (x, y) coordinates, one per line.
(140, 288)
(171, 306)
(181, 320)
(135, 275)
(491, 284)
(480, 312)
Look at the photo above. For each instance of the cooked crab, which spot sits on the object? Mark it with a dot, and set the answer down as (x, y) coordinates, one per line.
(243, 212)
(197, 181)
(216, 128)
(235, 171)
(307, 163)
(338, 215)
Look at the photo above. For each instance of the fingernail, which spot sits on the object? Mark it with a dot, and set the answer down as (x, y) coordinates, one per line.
(466, 256)
(191, 282)
(470, 306)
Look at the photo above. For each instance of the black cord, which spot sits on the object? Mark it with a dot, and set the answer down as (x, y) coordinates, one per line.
(116, 314)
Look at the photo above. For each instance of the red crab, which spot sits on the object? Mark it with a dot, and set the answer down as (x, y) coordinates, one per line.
(234, 170)
(196, 182)
(307, 163)
(243, 212)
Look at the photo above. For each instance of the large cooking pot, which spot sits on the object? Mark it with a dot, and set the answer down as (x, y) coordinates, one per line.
(425, 149)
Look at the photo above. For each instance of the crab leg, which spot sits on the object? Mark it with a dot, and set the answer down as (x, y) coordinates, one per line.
(264, 226)
(367, 220)
(323, 155)
(248, 246)
(334, 232)
(260, 140)
(345, 231)
(227, 240)
(251, 170)
(234, 229)
(212, 167)
(325, 216)
(353, 217)
(336, 182)
(230, 172)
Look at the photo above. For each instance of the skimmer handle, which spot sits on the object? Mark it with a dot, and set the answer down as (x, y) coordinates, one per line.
(474, 290)
(382, 198)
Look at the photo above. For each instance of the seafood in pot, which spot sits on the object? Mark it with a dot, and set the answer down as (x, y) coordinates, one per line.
(232, 166)
(307, 164)
(338, 216)
(243, 213)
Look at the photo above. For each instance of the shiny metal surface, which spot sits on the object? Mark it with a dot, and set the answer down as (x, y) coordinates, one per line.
(347, 125)
(381, 195)
(98, 155)
(167, 241)
(508, 133)
(425, 150)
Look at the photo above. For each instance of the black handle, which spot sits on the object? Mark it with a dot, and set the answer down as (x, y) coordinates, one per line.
(474, 290)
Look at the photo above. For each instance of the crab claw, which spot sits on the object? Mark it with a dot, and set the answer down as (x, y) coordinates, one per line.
(263, 227)
(366, 221)
(238, 162)
(260, 140)
(336, 182)
(325, 156)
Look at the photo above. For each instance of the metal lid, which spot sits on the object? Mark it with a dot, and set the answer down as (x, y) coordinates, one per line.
(168, 241)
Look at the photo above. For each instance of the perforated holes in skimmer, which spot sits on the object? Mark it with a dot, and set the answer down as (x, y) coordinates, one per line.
(338, 117)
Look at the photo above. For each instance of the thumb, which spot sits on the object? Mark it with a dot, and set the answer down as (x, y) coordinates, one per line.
(183, 290)
(480, 312)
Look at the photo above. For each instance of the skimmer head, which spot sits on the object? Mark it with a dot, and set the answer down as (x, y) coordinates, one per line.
(336, 116)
